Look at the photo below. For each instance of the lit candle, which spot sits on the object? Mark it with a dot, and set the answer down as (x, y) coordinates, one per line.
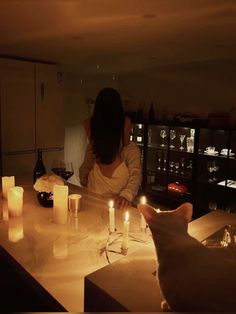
(111, 217)
(60, 204)
(124, 245)
(15, 201)
(74, 204)
(7, 183)
(143, 224)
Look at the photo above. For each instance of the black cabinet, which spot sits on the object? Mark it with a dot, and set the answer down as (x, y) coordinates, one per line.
(186, 163)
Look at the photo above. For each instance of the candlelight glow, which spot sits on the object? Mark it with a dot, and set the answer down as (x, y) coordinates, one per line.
(143, 200)
(158, 210)
(111, 203)
(126, 216)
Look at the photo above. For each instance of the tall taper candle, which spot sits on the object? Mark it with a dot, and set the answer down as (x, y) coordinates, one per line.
(60, 204)
(143, 224)
(111, 217)
(7, 183)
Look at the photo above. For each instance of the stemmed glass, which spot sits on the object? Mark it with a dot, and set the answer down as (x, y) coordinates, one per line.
(164, 161)
(182, 164)
(172, 137)
(63, 169)
(171, 166)
(163, 135)
(210, 168)
(177, 167)
(159, 160)
(182, 137)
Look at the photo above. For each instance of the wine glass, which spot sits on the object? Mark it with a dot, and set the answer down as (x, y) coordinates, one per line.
(159, 160)
(210, 168)
(177, 167)
(171, 163)
(63, 169)
(182, 137)
(182, 164)
(172, 137)
(164, 161)
(163, 135)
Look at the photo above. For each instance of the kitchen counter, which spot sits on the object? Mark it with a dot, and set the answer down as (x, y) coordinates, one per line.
(130, 284)
(59, 257)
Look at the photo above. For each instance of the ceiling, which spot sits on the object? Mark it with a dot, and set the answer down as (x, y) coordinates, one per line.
(114, 36)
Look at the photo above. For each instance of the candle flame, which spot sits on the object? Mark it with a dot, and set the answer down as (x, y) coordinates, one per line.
(143, 200)
(111, 203)
(126, 216)
(158, 210)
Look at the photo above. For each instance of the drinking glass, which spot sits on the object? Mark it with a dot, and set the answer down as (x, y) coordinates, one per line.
(182, 137)
(171, 166)
(210, 168)
(163, 135)
(177, 167)
(164, 161)
(63, 169)
(172, 137)
(159, 160)
(182, 164)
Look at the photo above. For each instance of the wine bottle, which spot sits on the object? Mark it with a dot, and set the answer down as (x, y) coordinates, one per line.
(39, 169)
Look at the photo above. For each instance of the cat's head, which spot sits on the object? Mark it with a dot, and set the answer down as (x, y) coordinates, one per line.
(167, 221)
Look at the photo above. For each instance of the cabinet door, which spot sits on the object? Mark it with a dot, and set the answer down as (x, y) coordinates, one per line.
(50, 117)
(17, 105)
(17, 116)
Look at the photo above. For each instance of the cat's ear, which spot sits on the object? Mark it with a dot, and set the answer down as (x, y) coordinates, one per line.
(185, 210)
(148, 211)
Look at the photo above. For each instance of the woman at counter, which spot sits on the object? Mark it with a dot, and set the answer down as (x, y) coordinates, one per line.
(111, 165)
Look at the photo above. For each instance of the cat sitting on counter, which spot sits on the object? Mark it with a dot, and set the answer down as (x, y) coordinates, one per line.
(191, 276)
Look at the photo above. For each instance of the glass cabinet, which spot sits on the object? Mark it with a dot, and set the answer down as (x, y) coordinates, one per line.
(186, 163)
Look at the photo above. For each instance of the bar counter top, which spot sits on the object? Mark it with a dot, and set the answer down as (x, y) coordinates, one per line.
(59, 257)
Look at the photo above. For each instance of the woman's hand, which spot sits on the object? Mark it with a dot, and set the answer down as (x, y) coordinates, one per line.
(122, 203)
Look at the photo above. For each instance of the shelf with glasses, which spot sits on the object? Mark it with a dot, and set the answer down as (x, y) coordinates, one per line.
(198, 158)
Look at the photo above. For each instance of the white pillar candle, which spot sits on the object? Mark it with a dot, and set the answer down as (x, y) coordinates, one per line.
(7, 183)
(60, 204)
(111, 217)
(143, 224)
(15, 229)
(125, 242)
(74, 204)
(15, 201)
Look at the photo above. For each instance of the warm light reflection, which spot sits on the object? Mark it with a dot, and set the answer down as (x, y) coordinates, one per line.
(15, 229)
(111, 204)
(143, 200)
(127, 216)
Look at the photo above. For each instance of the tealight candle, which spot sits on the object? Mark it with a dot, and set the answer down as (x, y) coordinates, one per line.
(15, 201)
(125, 244)
(60, 204)
(143, 224)
(7, 183)
(111, 217)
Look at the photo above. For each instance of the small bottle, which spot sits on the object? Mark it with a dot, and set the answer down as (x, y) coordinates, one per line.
(39, 169)
(140, 134)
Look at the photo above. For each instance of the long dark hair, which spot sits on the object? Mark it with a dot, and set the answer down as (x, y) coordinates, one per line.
(107, 125)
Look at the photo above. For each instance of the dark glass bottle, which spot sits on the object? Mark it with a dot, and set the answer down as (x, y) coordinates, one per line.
(39, 169)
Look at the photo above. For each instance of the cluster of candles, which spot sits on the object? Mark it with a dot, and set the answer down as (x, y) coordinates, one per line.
(143, 225)
(14, 196)
(61, 200)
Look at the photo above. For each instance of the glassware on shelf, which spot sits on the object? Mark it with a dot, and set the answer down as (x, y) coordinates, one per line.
(177, 167)
(215, 169)
(182, 137)
(163, 135)
(159, 160)
(172, 137)
(182, 165)
(190, 144)
(164, 161)
(171, 163)
(210, 168)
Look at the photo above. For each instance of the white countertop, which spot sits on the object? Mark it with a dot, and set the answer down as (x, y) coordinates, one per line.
(60, 256)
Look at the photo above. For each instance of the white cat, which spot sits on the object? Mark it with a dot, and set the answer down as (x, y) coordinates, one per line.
(192, 277)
